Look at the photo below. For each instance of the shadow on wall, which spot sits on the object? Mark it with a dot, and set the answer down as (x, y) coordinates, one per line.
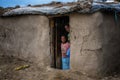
(109, 61)
(5, 37)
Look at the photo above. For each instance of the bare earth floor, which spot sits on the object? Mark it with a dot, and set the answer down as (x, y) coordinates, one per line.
(8, 72)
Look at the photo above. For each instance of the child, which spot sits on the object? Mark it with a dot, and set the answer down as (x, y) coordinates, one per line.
(64, 47)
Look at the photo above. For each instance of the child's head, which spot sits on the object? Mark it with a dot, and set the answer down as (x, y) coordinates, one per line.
(63, 39)
(67, 28)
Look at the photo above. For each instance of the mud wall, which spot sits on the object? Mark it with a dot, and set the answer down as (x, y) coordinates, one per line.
(95, 43)
(26, 37)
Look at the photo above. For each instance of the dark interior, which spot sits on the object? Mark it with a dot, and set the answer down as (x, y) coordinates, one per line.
(57, 31)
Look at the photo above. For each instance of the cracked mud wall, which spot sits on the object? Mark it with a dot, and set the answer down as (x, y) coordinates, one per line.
(111, 45)
(95, 43)
(26, 37)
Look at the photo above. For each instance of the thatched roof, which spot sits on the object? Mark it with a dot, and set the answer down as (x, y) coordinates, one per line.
(56, 9)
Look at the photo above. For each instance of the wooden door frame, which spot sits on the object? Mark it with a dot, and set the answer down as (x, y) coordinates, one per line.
(51, 24)
(55, 61)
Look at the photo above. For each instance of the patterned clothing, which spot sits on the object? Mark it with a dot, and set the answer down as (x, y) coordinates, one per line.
(65, 58)
(64, 48)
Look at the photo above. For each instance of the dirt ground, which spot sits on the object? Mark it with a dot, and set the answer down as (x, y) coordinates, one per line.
(8, 72)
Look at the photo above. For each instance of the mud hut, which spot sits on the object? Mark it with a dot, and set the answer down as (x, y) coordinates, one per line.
(33, 34)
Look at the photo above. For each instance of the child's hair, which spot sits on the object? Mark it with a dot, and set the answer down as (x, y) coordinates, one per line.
(67, 25)
(65, 37)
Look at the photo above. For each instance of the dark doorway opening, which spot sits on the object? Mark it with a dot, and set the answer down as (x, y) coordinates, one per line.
(57, 25)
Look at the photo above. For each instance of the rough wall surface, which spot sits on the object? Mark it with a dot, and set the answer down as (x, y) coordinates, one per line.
(26, 37)
(95, 43)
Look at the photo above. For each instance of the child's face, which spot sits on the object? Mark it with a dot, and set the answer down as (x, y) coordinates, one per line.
(63, 39)
(67, 28)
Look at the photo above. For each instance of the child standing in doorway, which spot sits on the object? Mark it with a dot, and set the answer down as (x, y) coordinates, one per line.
(64, 48)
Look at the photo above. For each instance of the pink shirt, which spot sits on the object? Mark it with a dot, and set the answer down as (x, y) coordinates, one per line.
(65, 47)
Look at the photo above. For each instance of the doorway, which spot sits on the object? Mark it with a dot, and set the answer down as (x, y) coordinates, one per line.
(57, 25)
